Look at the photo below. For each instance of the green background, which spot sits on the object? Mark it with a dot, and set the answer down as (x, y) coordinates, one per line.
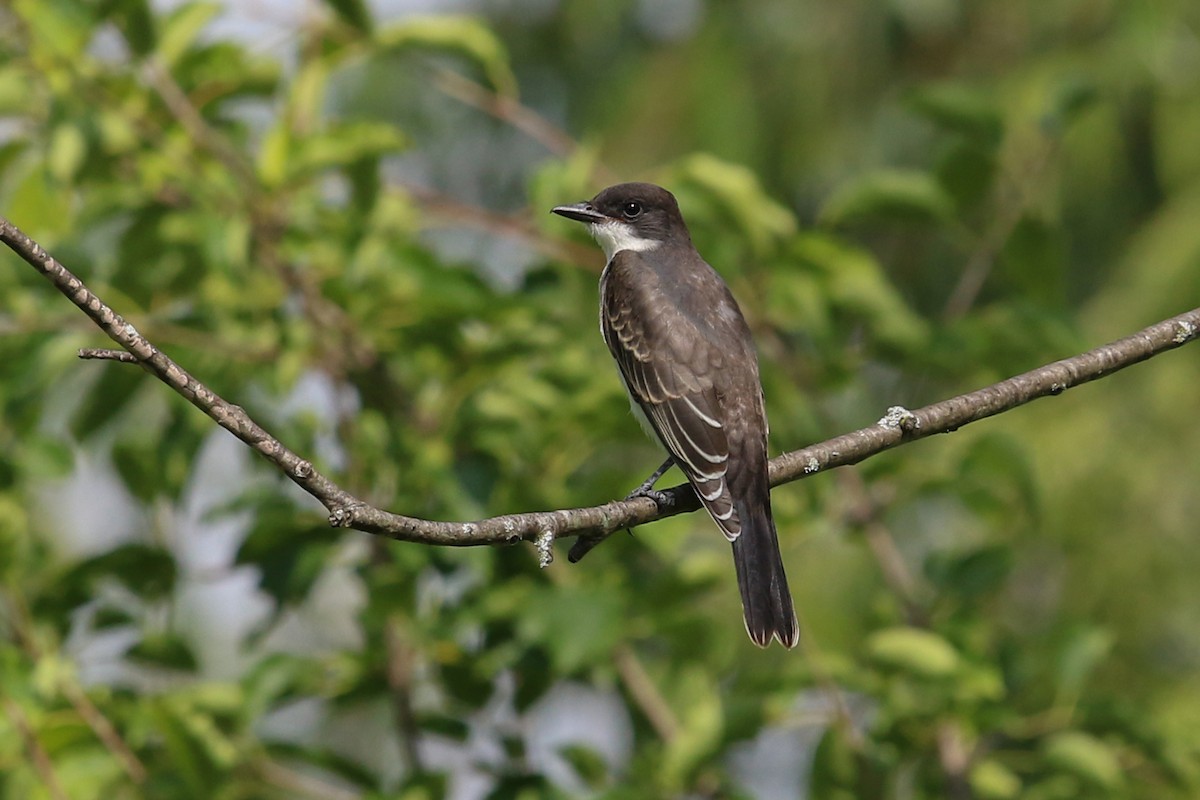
(335, 215)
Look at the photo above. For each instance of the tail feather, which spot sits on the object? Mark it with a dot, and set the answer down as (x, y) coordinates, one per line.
(766, 600)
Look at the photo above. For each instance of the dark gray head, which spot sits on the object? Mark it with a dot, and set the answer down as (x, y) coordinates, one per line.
(630, 216)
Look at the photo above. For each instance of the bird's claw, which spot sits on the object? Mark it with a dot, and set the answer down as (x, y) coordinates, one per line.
(660, 498)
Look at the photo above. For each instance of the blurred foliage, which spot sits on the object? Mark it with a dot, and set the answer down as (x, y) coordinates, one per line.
(343, 228)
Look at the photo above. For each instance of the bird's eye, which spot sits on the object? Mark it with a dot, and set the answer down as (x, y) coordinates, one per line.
(631, 209)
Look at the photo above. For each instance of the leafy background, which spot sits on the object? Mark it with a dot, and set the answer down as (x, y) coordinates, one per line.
(335, 215)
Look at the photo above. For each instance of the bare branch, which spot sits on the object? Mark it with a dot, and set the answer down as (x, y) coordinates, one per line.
(864, 513)
(444, 211)
(21, 622)
(645, 694)
(176, 100)
(592, 524)
(400, 682)
(105, 731)
(42, 764)
(506, 109)
(297, 783)
(1010, 207)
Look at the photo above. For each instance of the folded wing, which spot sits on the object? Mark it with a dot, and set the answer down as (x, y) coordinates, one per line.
(673, 384)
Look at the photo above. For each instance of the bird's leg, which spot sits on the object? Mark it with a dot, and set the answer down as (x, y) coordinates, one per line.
(584, 544)
(646, 489)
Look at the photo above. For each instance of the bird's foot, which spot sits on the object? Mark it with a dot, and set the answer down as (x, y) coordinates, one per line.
(659, 497)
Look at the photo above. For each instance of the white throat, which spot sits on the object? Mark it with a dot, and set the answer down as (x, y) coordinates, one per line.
(616, 236)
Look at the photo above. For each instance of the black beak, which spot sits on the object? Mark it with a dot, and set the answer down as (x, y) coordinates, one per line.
(581, 212)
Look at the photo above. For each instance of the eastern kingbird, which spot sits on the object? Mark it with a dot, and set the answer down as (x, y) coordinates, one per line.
(688, 362)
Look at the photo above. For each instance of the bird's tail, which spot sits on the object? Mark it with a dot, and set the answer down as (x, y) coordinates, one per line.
(766, 601)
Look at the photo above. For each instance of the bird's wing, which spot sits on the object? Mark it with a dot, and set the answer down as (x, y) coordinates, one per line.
(672, 382)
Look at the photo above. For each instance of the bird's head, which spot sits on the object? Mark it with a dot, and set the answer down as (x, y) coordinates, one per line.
(630, 216)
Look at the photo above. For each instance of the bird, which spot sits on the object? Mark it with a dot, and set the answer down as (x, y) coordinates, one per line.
(689, 365)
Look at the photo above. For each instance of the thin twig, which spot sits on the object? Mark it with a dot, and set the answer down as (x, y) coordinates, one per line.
(105, 731)
(1004, 222)
(40, 759)
(811, 652)
(645, 694)
(864, 512)
(176, 100)
(506, 109)
(400, 678)
(898, 426)
(442, 207)
(297, 783)
(955, 759)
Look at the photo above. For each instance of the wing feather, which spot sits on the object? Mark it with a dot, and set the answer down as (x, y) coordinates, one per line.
(672, 385)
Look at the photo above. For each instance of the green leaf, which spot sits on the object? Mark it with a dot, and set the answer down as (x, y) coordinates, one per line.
(919, 652)
(1084, 648)
(15, 544)
(273, 162)
(187, 756)
(347, 769)
(452, 728)
(996, 478)
(466, 36)
(289, 549)
(224, 70)
(521, 786)
(365, 185)
(43, 456)
(345, 144)
(111, 618)
(991, 780)
(739, 196)
(889, 195)
(576, 626)
(854, 283)
(1072, 100)
(16, 90)
(970, 112)
(66, 153)
(1035, 259)
(180, 28)
(61, 734)
(560, 181)
(1086, 757)
(975, 573)
(589, 766)
(61, 28)
(165, 651)
(136, 21)
(841, 770)
(467, 681)
(968, 174)
(306, 94)
(420, 786)
(534, 674)
(272, 681)
(354, 13)
(107, 398)
(149, 572)
(697, 702)
(40, 207)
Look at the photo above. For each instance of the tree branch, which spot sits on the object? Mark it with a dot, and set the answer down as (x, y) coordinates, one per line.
(42, 764)
(593, 524)
(645, 694)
